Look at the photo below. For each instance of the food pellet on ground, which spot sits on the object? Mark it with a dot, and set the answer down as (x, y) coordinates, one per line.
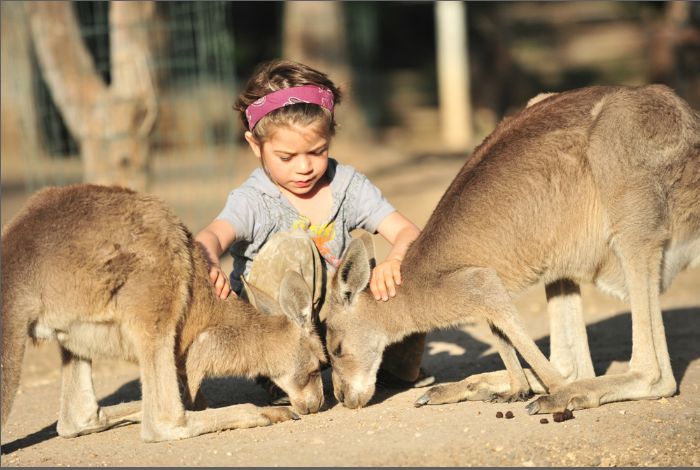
(499, 415)
(510, 415)
(544, 421)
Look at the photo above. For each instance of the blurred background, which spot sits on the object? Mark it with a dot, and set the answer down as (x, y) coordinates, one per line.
(140, 93)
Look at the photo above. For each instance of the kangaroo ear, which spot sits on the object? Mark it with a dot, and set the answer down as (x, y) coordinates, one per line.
(260, 300)
(353, 273)
(295, 299)
(368, 241)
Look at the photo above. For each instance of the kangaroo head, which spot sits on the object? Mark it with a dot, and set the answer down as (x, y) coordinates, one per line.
(354, 341)
(301, 378)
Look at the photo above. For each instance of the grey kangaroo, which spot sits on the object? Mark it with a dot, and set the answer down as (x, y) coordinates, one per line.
(111, 273)
(598, 185)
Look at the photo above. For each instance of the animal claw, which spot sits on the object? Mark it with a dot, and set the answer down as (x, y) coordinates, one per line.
(423, 400)
(533, 408)
(295, 416)
(491, 399)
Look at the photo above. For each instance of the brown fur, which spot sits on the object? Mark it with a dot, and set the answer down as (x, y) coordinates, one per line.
(111, 273)
(598, 185)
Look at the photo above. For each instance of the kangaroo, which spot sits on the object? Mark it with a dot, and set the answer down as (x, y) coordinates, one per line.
(112, 273)
(598, 185)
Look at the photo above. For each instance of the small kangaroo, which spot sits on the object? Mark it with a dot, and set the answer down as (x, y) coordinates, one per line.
(112, 273)
(598, 185)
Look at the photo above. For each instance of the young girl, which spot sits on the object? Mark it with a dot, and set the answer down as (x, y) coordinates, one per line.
(296, 212)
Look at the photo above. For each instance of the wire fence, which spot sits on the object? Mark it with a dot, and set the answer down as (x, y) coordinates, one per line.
(193, 141)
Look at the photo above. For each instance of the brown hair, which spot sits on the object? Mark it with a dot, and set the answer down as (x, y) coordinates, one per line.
(278, 75)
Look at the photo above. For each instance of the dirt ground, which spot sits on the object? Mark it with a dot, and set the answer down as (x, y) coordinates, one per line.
(390, 431)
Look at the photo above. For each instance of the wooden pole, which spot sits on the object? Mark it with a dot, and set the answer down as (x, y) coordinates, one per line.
(453, 75)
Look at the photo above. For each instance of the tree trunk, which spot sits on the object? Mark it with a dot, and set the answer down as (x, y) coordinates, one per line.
(20, 133)
(314, 34)
(110, 123)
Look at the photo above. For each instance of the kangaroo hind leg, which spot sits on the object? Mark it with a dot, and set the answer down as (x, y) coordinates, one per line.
(650, 374)
(630, 172)
(80, 414)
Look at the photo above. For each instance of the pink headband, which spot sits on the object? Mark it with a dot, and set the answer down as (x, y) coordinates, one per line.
(280, 98)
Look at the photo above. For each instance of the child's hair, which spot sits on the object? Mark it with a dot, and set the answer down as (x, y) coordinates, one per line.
(278, 75)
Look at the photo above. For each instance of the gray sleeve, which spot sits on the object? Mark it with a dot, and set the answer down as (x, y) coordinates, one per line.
(372, 208)
(241, 211)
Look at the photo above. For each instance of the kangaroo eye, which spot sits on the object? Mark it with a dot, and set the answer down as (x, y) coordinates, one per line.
(337, 351)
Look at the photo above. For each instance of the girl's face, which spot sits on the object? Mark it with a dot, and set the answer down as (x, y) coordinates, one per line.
(296, 157)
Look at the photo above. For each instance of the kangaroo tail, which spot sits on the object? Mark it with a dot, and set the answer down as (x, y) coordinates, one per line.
(13, 340)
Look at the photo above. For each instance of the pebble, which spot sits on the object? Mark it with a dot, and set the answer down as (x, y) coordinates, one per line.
(499, 415)
(510, 415)
(544, 421)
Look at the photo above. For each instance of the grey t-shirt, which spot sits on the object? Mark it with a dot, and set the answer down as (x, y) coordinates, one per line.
(258, 209)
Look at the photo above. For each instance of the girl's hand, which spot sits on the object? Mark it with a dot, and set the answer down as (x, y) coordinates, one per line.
(220, 279)
(385, 277)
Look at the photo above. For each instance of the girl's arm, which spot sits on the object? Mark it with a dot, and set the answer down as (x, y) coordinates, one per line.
(400, 232)
(214, 239)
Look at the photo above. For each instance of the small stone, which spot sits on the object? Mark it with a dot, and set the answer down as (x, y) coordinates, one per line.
(510, 415)
(544, 421)
(465, 430)
(417, 434)
(622, 412)
(499, 448)
(499, 415)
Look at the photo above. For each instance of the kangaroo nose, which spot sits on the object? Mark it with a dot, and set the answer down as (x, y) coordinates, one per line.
(341, 397)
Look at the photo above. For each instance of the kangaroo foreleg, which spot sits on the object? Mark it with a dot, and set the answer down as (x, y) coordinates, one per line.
(236, 417)
(480, 387)
(164, 416)
(491, 300)
(199, 402)
(569, 355)
(80, 414)
(519, 387)
(485, 296)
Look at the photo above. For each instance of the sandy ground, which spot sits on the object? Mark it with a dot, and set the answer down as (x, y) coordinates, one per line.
(390, 431)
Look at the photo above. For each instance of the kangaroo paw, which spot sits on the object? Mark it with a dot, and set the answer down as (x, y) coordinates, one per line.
(508, 397)
(451, 393)
(278, 415)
